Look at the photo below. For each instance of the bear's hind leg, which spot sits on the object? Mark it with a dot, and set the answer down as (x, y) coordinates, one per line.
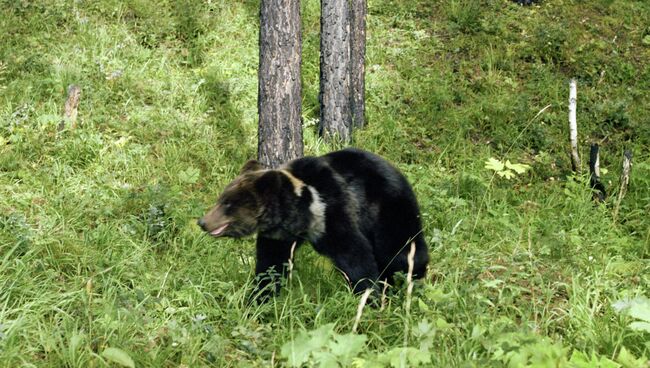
(395, 259)
(352, 254)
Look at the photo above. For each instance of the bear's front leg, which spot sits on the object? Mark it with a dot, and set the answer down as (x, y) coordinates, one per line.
(272, 259)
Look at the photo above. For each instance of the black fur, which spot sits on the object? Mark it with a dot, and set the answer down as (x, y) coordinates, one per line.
(352, 205)
(371, 217)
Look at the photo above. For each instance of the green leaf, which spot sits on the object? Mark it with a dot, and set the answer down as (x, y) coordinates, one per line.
(405, 357)
(441, 324)
(297, 351)
(348, 346)
(620, 306)
(75, 341)
(638, 308)
(326, 359)
(641, 310)
(492, 284)
(506, 174)
(581, 360)
(422, 305)
(417, 357)
(118, 356)
(321, 335)
(366, 363)
(518, 168)
(424, 328)
(494, 164)
(629, 360)
(189, 175)
(640, 326)
(477, 331)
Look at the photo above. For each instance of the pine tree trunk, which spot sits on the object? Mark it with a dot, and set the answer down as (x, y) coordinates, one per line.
(279, 98)
(335, 86)
(358, 55)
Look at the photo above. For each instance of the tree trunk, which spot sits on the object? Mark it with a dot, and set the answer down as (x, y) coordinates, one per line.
(71, 106)
(358, 55)
(335, 86)
(279, 98)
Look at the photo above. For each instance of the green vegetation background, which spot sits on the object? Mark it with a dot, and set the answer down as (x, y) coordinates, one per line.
(101, 263)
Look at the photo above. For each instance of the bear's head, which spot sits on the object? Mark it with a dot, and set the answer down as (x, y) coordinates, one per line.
(239, 208)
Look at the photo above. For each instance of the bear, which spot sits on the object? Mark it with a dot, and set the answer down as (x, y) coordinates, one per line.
(353, 207)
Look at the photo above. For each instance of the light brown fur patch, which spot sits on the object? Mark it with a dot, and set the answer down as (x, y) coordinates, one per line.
(297, 183)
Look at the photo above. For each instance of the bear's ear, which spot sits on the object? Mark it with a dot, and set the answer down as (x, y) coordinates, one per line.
(268, 184)
(250, 165)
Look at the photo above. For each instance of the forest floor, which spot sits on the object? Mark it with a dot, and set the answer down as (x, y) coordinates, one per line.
(101, 263)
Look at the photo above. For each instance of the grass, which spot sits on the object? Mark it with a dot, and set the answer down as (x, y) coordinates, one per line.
(98, 247)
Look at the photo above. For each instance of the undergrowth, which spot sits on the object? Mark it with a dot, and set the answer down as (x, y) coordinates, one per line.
(101, 263)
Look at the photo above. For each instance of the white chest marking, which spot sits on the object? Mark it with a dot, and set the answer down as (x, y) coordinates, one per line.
(317, 209)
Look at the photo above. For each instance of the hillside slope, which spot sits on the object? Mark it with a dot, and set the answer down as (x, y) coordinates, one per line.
(100, 259)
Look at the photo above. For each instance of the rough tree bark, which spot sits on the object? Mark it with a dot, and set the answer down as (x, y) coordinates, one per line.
(335, 86)
(279, 97)
(358, 60)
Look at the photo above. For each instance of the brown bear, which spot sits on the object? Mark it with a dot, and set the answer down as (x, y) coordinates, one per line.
(351, 205)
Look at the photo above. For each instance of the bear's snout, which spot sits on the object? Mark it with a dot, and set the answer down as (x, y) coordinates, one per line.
(201, 224)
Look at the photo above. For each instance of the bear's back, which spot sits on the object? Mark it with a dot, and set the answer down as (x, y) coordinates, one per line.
(378, 177)
(360, 180)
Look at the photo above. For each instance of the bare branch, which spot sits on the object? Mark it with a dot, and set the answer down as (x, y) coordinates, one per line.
(625, 181)
(362, 304)
(573, 125)
(594, 178)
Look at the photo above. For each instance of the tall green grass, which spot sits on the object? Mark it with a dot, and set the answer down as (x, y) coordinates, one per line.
(98, 247)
